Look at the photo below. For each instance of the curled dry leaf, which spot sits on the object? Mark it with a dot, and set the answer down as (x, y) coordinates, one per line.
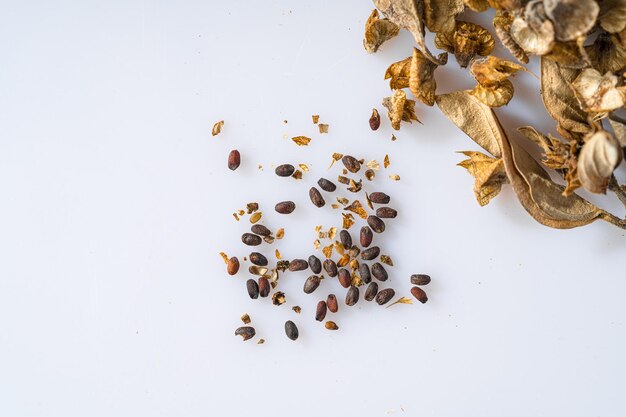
(217, 128)
(571, 18)
(607, 54)
(488, 172)
(398, 74)
(492, 70)
(399, 109)
(378, 31)
(598, 93)
(494, 96)
(533, 32)
(439, 15)
(466, 41)
(408, 15)
(571, 54)
(422, 78)
(598, 159)
(612, 16)
(502, 22)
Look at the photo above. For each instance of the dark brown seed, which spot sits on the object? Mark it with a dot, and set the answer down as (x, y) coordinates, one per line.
(330, 267)
(420, 279)
(284, 170)
(376, 224)
(379, 198)
(311, 284)
(345, 238)
(234, 159)
(374, 120)
(316, 197)
(379, 272)
(345, 279)
(419, 294)
(364, 272)
(320, 311)
(366, 236)
(371, 291)
(285, 207)
(326, 185)
(258, 259)
(315, 264)
(233, 266)
(253, 288)
(386, 213)
(298, 265)
(351, 163)
(291, 330)
(384, 296)
(370, 253)
(259, 229)
(264, 287)
(352, 296)
(331, 325)
(250, 239)
(354, 251)
(331, 302)
(246, 332)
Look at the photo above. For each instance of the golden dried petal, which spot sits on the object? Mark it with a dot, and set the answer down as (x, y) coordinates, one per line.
(494, 96)
(348, 220)
(401, 300)
(571, 18)
(217, 128)
(488, 173)
(598, 93)
(439, 15)
(395, 177)
(422, 78)
(386, 259)
(378, 31)
(398, 74)
(492, 70)
(466, 41)
(386, 162)
(332, 232)
(304, 167)
(534, 32)
(373, 164)
(245, 318)
(323, 127)
(301, 140)
(557, 154)
(336, 157)
(225, 257)
(256, 217)
(502, 24)
(598, 158)
(236, 216)
(356, 280)
(280, 233)
(399, 109)
(316, 118)
(612, 16)
(278, 254)
(357, 208)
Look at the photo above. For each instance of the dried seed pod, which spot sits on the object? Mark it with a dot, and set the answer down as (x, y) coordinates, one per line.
(345, 278)
(364, 272)
(376, 224)
(420, 279)
(320, 311)
(386, 213)
(384, 296)
(259, 229)
(379, 198)
(264, 287)
(331, 303)
(374, 120)
(351, 163)
(233, 266)
(466, 41)
(331, 325)
(298, 265)
(291, 330)
(366, 236)
(234, 159)
(250, 239)
(246, 332)
(371, 291)
(326, 185)
(285, 207)
(311, 284)
(601, 154)
(419, 294)
(258, 259)
(316, 197)
(379, 272)
(285, 170)
(352, 296)
(330, 267)
(315, 264)
(345, 238)
(253, 288)
(370, 253)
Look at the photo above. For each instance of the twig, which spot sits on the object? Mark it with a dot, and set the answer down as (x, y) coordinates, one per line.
(619, 191)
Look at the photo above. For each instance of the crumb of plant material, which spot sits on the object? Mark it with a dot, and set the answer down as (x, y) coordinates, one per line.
(419, 294)
(217, 128)
(296, 309)
(291, 330)
(301, 140)
(323, 128)
(374, 120)
(316, 244)
(335, 157)
(348, 220)
(260, 169)
(246, 332)
(420, 279)
(278, 255)
(357, 208)
(369, 201)
(278, 298)
(373, 164)
(285, 121)
(401, 300)
(386, 161)
(297, 175)
(250, 208)
(280, 233)
(370, 174)
(304, 167)
(225, 257)
(386, 259)
(234, 159)
(232, 266)
(255, 217)
(316, 118)
(260, 342)
(331, 325)
(245, 318)
(393, 138)
(395, 177)
(236, 216)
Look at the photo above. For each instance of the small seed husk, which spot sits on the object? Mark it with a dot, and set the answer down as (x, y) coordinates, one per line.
(233, 266)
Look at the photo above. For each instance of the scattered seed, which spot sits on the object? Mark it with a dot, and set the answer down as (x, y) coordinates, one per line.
(316, 197)
(374, 120)
(285, 207)
(291, 330)
(250, 208)
(386, 213)
(260, 342)
(264, 287)
(345, 238)
(259, 229)
(315, 264)
(376, 224)
(370, 253)
(253, 288)
(380, 198)
(371, 291)
(320, 311)
(233, 266)
(296, 309)
(366, 236)
(298, 265)
(420, 279)
(364, 272)
(278, 298)
(326, 185)
(419, 294)
(345, 279)
(250, 239)
(351, 163)
(245, 318)
(384, 296)
(331, 303)
(379, 272)
(258, 259)
(352, 296)
(284, 170)
(246, 332)
(331, 325)
(234, 159)
(311, 284)
(330, 267)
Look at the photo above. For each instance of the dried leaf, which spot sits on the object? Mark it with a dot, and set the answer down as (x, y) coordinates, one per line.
(323, 127)
(533, 32)
(598, 93)
(612, 16)
(422, 78)
(250, 207)
(598, 158)
(386, 162)
(494, 96)
(401, 300)
(491, 70)
(439, 15)
(607, 54)
(357, 208)
(502, 22)
(571, 18)
(217, 128)
(466, 41)
(399, 109)
(301, 140)
(488, 172)
(378, 31)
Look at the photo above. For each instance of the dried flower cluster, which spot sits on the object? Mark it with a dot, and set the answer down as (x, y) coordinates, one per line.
(582, 48)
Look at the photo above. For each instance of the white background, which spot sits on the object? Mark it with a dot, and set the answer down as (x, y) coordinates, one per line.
(115, 202)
